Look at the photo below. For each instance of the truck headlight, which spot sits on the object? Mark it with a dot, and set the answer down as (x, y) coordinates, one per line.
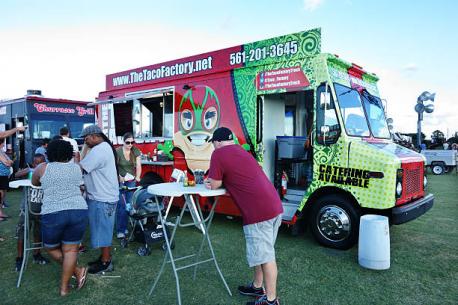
(399, 189)
(425, 182)
(399, 176)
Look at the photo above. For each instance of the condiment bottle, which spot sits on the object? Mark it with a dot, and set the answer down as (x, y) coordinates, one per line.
(185, 178)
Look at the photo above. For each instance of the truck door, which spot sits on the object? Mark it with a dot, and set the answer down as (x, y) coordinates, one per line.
(273, 125)
(19, 145)
(327, 124)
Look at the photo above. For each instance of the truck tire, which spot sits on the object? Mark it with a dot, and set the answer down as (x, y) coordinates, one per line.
(334, 222)
(437, 168)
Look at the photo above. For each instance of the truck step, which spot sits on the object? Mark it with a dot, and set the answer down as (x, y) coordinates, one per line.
(289, 209)
(299, 192)
(289, 197)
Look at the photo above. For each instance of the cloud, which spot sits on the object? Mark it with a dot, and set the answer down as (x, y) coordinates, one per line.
(402, 91)
(311, 5)
(68, 62)
(411, 67)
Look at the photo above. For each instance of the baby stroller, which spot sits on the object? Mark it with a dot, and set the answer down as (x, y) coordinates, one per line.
(143, 215)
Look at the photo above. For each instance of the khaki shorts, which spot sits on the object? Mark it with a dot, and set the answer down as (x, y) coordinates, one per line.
(260, 241)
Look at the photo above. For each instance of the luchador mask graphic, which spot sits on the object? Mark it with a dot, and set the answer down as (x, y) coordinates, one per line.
(199, 115)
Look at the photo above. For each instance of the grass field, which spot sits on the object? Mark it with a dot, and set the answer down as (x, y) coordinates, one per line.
(424, 266)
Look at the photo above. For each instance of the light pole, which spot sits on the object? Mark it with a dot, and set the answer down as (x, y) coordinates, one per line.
(421, 107)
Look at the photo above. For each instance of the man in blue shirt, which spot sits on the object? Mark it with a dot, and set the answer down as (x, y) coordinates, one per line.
(42, 149)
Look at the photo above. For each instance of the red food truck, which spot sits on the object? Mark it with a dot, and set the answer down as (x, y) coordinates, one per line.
(275, 95)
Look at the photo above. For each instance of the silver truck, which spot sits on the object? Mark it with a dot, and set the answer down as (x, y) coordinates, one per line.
(440, 161)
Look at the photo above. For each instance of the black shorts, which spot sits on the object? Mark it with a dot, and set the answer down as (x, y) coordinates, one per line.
(4, 182)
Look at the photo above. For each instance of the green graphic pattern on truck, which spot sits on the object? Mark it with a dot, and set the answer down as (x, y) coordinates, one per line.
(374, 193)
(308, 44)
(307, 57)
(377, 193)
(380, 192)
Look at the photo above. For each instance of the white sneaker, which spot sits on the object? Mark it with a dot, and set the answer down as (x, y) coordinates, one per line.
(120, 235)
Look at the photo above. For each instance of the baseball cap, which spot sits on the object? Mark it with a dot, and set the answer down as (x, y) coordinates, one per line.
(222, 134)
(91, 129)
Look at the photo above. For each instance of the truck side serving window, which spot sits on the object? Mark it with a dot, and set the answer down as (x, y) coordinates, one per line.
(327, 124)
(153, 116)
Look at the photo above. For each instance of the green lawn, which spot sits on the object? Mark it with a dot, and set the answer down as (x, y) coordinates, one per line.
(424, 266)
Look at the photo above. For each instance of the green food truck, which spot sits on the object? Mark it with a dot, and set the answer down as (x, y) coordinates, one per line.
(315, 123)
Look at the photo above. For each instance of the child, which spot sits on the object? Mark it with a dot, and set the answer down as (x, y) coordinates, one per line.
(35, 196)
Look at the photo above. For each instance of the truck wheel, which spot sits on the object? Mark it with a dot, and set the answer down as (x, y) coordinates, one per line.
(334, 222)
(437, 169)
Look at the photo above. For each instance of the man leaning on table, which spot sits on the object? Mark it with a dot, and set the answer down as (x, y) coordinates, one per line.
(260, 206)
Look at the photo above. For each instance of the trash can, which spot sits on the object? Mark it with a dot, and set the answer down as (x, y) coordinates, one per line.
(374, 242)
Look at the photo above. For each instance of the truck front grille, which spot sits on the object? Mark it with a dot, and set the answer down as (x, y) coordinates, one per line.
(414, 181)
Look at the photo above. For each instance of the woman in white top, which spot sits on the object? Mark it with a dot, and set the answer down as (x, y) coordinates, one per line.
(64, 211)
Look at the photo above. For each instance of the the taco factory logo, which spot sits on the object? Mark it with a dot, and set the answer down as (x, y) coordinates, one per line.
(344, 175)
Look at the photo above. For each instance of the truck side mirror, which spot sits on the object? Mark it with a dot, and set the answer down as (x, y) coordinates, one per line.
(27, 131)
(325, 100)
(324, 130)
(19, 135)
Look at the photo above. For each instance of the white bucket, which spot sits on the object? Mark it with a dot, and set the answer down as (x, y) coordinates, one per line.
(374, 242)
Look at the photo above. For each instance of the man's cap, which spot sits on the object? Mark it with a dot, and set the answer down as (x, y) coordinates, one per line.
(222, 134)
(91, 129)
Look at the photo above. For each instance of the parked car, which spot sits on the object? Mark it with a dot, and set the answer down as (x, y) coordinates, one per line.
(440, 161)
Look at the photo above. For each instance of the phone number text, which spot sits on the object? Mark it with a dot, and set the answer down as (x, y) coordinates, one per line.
(276, 50)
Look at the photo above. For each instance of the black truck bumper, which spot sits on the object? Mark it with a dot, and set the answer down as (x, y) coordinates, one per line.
(412, 210)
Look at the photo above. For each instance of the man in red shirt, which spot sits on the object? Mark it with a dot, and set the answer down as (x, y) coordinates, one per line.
(260, 206)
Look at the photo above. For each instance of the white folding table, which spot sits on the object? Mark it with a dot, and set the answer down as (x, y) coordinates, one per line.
(174, 190)
(28, 245)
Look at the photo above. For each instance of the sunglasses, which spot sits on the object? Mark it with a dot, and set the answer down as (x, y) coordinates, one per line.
(129, 142)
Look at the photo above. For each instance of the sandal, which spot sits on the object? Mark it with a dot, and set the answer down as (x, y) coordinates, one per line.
(82, 280)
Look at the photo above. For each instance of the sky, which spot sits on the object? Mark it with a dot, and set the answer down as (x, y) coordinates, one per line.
(66, 48)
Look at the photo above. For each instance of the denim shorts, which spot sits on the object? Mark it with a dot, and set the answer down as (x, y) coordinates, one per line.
(63, 227)
(260, 241)
(101, 222)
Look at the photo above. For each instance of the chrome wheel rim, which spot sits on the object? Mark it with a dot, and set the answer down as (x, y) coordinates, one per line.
(437, 169)
(333, 223)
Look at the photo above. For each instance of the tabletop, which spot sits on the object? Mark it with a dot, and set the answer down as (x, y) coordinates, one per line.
(23, 182)
(177, 189)
(158, 163)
